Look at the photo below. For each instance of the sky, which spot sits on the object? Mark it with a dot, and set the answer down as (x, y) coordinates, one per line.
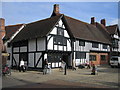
(27, 12)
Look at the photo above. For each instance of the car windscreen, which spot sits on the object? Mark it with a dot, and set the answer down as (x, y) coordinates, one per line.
(115, 59)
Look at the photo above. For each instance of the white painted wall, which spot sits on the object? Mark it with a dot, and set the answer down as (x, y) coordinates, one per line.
(41, 44)
(50, 44)
(60, 23)
(88, 47)
(9, 62)
(31, 60)
(16, 56)
(66, 34)
(23, 49)
(68, 46)
(32, 45)
(16, 49)
(54, 31)
(37, 57)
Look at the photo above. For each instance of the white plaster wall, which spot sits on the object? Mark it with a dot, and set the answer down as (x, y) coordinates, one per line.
(50, 44)
(45, 56)
(54, 31)
(55, 47)
(9, 62)
(23, 49)
(66, 34)
(16, 49)
(87, 46)
(37, 57)
(65, 48)
(32, 45)
(60, 48)
(87, 57)
(68, 46)
(41, 44)
(16, 57)
(60, 23)
(31, 60)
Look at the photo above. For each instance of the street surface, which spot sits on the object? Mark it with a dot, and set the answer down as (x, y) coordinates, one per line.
(81, 78)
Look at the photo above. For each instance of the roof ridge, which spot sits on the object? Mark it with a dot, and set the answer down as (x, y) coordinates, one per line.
(14, 25)
(43, 19)
(112, 25)
(77, 20)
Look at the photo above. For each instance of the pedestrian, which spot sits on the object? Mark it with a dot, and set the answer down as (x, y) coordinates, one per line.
(63, 65)
(21, 66)
(94, 69)
(88, 64)
(49, 68)
(74, 65)
(45, 65)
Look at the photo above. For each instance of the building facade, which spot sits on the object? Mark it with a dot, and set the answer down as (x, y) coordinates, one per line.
(60, 38)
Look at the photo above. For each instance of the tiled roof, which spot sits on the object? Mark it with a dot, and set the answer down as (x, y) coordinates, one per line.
(76, 28)
(112, 29)
(10, 30)
(85, 31)
(37, 29)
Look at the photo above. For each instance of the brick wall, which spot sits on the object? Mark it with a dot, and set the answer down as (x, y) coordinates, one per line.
(98, 58)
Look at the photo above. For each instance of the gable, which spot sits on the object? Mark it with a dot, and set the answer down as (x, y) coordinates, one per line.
(60, 26)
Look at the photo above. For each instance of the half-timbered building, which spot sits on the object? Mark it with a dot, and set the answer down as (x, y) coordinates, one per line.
(57, 38)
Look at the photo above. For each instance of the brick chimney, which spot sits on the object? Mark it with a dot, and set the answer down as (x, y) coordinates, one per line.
(92, 20)
(103, 21)
(55, 10)
(2, 27)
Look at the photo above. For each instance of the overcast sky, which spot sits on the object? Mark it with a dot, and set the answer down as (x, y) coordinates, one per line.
(26, 12)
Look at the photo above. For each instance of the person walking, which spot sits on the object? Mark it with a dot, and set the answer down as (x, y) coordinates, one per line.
(88, 64)
(94, 69)
(45, 64)
(21, 66)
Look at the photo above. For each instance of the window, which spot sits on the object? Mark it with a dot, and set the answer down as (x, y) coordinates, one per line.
(80, 55)
(60, 40)
(53, 58)
(64, 41)
(81, 43)
(92, 57)
(103, 57)
(60, 31)
(104, 46)
(95, 45)
(115, 43)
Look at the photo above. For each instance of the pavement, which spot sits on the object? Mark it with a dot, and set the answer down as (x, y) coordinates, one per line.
(81, 78)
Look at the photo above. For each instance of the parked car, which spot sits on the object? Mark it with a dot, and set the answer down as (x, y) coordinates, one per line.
(115, 61)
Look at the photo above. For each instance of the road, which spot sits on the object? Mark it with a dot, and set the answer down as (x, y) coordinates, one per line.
(107, 78)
